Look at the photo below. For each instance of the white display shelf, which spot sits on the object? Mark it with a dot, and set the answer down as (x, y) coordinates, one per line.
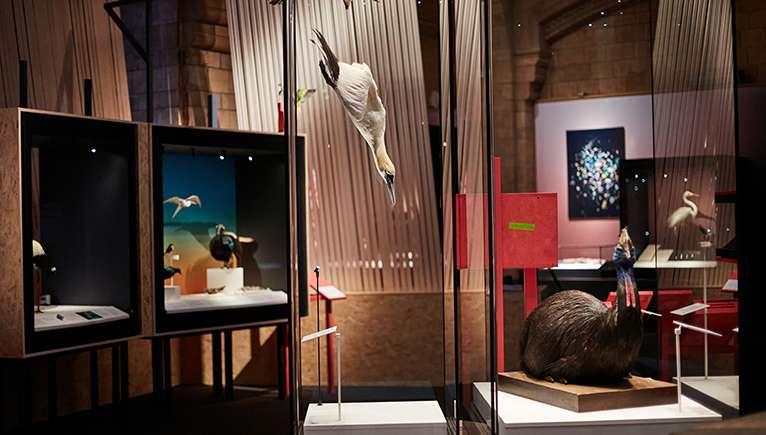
(653, 257)
(578, 266)
(521, 416)
(65, 316)
(220, 301)
(724, 389)
(373, 418)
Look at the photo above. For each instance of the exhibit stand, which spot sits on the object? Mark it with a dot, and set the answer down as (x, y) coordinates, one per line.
(518, 415)
(377, 418)
(69, 183)
(221, 239)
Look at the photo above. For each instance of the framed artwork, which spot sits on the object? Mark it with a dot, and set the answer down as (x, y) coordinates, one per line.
(593, 159)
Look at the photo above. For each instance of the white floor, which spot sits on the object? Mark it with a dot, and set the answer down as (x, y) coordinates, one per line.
(373, 418)
(205, 302)
(65, 316)
(724, 389)
(522, 416)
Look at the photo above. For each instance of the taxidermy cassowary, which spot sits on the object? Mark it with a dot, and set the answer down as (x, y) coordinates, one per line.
(226, 246)
(357, 90)
(573, 337)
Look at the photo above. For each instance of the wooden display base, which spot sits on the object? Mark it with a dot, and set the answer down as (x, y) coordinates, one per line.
(633, 392)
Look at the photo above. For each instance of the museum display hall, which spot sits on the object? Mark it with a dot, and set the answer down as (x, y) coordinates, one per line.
(381, 216)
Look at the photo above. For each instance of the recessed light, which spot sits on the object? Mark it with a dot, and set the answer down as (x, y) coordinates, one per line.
(93, 150)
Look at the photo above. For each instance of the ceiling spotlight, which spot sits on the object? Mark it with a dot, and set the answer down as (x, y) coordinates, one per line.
(603, 13)
(222, 155)
(590, 24)
(250, 158)
(93, 150)
(605, 24)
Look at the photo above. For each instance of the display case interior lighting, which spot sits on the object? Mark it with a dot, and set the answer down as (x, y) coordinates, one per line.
(222, 156)
(250, 158)
(93, 150)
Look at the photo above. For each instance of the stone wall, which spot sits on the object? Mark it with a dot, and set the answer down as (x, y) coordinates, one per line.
(606, 57)
(751, 39)
(190, 53)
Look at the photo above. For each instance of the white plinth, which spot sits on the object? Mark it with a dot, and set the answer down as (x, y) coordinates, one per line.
(172, 292)
(373, 418)
(65, 316)
(231, 279)
(520, 416)
(724, 389)
(220, 301)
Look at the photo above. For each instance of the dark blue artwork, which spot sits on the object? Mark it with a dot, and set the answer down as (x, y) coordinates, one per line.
(593, 159)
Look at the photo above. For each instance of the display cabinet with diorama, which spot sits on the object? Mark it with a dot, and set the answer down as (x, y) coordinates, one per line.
(221, 244)
(71, 267)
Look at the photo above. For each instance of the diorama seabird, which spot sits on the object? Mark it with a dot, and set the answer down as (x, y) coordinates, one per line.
(573, 337)
(358, 92)
(182, 203)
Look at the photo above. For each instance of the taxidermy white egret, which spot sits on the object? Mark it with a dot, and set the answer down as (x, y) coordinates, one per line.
(359, 94)
(182, 203)
(688, 212)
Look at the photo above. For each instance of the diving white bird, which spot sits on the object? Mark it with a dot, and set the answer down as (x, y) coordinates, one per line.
(688, 212)
(182, 203)
(359, 94)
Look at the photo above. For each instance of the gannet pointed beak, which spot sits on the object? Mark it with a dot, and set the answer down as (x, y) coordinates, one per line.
(391, 191)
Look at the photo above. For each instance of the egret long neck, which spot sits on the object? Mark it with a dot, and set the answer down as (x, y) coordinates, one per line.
(691, 205)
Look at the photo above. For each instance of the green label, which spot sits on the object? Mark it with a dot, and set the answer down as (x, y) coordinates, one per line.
(520, 226)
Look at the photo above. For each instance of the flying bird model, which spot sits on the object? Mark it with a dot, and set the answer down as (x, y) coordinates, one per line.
(573, 337)
(182, 203)
(358, 92)
(688, 212)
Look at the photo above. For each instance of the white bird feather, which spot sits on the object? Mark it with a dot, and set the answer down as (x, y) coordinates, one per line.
(357, 90)
(182, 203)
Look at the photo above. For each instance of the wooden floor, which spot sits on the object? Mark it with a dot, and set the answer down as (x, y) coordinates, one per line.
(191, 410)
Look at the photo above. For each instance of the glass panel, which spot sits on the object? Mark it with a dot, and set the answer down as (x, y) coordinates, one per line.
(469, 281)
(694, 169)
(750, 67)
(70, 165)
(375, 213)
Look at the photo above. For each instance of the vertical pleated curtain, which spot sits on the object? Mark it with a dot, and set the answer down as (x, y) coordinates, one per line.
(693, 126)
(359, 240)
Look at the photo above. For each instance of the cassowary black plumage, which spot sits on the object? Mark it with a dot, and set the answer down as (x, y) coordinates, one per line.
(573, 337)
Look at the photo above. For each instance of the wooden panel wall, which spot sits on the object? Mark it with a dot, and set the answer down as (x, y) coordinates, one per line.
(694, 124)
(360, 241)
(64, 42)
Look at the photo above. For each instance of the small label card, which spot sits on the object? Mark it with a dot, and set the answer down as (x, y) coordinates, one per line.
(689, 309)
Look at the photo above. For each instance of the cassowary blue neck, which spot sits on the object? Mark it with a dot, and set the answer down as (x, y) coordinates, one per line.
(627, 290)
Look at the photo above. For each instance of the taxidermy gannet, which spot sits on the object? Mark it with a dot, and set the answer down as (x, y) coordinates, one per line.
(573, 337)
(687, 212)
(183, 203)
(359, 94)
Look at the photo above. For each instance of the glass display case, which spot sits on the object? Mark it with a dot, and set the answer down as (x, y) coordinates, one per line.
(221, 228)
(72, 264)
(394, 129)
(637, 150)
